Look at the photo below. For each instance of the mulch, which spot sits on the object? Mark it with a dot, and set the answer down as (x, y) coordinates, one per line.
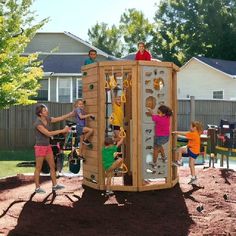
(208, 208)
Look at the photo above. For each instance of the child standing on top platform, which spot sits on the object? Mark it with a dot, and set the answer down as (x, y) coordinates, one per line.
(192, 149)
(162, 132)
(142, 53)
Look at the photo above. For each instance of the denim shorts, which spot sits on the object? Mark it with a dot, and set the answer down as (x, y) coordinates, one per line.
(42, 151)
(115, 127)
(160, 140)
(190, 154)
(79, 130)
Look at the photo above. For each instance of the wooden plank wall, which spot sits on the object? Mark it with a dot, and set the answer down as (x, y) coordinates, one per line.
(90, 96)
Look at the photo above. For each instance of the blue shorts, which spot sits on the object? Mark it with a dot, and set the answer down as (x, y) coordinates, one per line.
(79, 130)
(190, 154)
(160, 140)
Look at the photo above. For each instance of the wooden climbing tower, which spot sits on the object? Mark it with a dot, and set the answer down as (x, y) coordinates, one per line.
(141, 84)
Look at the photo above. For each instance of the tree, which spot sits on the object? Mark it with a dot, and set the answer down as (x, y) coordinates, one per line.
(106, 39)
(187, 28)
(135, 28)
(18, 74)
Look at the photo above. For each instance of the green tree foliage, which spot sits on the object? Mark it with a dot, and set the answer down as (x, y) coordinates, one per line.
(135, 28)
(187, 28)
(18, 74)
(106, 39)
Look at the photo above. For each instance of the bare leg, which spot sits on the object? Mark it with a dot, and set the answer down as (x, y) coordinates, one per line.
(162, 151)
(116, 135)
(38, 167)
(87, 132)
(155, 154)
(181, 151)
(81, 146)
(109, 176)
(109, 172)
(51, 164)
(192, 166)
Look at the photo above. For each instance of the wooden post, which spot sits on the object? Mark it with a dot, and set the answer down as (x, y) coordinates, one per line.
(192, 108)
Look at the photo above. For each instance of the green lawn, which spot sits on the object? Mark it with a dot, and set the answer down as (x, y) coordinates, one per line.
(10, 159)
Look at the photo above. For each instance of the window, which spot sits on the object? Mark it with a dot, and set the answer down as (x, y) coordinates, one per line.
(218, 94)
(77, 88)
(64, 85)
(43, 91)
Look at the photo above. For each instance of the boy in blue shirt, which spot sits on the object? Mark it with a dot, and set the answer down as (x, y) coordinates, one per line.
(92, 57)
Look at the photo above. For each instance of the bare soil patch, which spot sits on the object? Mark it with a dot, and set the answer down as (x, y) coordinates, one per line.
(208, 208)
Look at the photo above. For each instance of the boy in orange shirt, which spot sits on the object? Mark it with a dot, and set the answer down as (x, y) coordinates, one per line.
(192, 149)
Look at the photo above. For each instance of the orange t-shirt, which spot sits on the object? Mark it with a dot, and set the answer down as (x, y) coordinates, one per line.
(193, 142)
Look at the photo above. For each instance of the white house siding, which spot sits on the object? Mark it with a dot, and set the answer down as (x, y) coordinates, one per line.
(200, 80)
(46, 42)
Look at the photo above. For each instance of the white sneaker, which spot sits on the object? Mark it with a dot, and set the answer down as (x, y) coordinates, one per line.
(176, 163)
(109, 192)
(39, 190)
(57, 187)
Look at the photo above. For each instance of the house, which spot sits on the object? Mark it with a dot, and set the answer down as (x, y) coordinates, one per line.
(207, 78)
(62, 54)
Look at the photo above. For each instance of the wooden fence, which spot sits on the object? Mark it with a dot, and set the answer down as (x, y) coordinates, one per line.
(16, 123)
(206, 111)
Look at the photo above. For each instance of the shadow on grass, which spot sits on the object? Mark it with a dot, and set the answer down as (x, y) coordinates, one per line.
(160, 212)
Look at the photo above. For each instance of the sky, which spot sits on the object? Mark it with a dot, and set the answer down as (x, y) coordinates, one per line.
(77, 16)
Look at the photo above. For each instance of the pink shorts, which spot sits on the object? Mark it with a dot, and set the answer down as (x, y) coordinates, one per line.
(42, 151)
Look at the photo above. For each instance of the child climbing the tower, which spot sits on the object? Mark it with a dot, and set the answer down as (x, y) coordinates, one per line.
(162, 132)
(117, 117)
(83, 132)
(111, 159)
(192, 149)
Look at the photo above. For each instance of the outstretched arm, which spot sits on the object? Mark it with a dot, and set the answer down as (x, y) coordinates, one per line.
(120, 142)
(85, 116)
(63, 117)
(48, 133)
(180, 132)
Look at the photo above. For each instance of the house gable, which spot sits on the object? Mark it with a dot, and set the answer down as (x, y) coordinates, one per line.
(223, 66)
(55, 42)
(201, 80)
(62, 55)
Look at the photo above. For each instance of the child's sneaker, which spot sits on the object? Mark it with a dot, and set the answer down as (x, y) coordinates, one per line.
(193, 180)
(81, 158)
(164, 159)
(39, 190)
(57, 187)
(177, 163)
(118, 170)
(153, 164)
(86, 142)
(109, 192)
